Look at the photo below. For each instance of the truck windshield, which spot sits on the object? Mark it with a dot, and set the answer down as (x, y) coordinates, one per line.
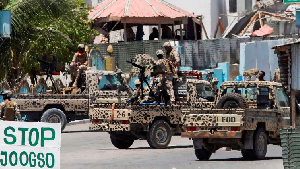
(108, 82)
(282, 98)
(250, 93)
(204, 91)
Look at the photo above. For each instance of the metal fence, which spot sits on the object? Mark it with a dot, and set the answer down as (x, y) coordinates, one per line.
(127, 50)
(290, 143)
(200, 54)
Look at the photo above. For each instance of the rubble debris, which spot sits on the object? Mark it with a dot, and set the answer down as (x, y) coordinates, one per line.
(263, 31)
(246, 25)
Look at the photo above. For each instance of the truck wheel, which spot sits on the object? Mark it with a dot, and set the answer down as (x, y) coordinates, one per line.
(232, 100)
(202, 154)
(55, 116)
(260, 144)
(159, 135)
(121, 143)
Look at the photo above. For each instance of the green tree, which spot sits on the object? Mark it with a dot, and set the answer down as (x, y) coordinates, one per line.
(42, 27)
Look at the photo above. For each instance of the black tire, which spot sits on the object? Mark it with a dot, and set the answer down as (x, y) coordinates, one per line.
(55, 116)
(159, 135)
(260, 144)
(202, 154)
(121, 143)
(232, 100)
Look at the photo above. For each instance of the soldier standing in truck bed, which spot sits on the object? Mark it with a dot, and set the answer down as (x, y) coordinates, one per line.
(167, 72)
(173, 56)
(261, 76)
(8, 109)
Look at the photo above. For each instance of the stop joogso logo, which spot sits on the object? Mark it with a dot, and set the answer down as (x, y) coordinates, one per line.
(30, 145)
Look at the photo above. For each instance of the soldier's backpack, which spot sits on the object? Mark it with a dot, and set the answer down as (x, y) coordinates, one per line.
(9, 113)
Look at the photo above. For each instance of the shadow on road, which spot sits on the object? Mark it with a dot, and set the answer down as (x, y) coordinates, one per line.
(146, 148)
(170, 147)
(243, 159)
(79, 131)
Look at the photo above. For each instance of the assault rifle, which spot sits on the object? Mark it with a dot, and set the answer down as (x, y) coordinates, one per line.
(143, 79)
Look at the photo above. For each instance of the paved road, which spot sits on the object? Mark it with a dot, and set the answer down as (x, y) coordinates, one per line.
(89, 150)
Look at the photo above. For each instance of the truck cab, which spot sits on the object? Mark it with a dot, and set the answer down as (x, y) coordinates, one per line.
(248, 116)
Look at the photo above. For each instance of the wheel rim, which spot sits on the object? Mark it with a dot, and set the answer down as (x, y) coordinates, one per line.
(161, 135)
(261, 144)
(54, 118)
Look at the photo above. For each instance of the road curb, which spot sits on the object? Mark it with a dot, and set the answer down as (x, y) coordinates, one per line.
(78, 122)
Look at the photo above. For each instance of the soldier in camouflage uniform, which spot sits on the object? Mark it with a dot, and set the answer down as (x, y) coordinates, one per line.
(8, 109)
(79, 62)
(173, 56)
(137, 84)
(166, 74)
(136, 95)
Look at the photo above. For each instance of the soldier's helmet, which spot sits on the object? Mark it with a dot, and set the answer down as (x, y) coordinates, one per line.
(159, 52)
(80, 46)
(8, 93)
(166, 44)
(137, 82)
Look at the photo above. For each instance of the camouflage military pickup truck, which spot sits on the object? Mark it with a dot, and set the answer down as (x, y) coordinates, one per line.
(149, 121)
(248, 116)
(101, 87)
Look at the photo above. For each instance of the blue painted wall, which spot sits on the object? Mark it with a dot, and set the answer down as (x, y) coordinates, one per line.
(24, 90)
(226, 70)
(247, 57)
(218, 73)
(259, 55)
(99, 62)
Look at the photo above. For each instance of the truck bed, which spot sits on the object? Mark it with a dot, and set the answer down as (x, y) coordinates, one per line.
(199, 123)
(52, 96)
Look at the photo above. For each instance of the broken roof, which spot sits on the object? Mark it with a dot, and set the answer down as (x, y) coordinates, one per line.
(246, 24)
(291, 42)
(137, 11)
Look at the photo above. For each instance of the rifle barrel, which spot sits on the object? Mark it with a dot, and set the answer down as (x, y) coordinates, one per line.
(42, 61)
(136, 65)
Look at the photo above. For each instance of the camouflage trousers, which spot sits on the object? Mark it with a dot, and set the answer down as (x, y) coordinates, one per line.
(76, 71)
(166, 83)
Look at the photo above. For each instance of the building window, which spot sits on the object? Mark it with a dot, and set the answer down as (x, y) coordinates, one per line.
(232, 6)
(248, 5)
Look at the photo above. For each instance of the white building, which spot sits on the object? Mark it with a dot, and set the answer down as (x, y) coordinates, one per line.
(229, 10)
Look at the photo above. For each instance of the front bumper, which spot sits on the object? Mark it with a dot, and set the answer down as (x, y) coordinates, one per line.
(105, 127)
(209, 134)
